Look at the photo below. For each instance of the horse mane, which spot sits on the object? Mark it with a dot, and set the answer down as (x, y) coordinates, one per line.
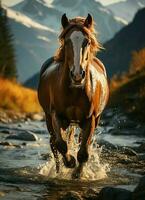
(78, 23)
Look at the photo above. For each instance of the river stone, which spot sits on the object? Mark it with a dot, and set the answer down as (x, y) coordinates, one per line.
(139, 192)
(141, 148)
(24, 135)
(107, 144)
(90, 194)
(110, 193)
(129, 151)
(71, 196)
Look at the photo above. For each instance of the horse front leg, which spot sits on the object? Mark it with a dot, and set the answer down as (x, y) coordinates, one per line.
(52, 141)
(83, 155)
(61, 144)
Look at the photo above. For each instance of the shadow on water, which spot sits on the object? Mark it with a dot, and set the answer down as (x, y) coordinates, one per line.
(27, 169)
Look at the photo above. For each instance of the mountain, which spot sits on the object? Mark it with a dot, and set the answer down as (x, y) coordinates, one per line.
(50, 14)
(36, 25)
(126, 9)
(33, 81)
(118, 51)
(33, 43)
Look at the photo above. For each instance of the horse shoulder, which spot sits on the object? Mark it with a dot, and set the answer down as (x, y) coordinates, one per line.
(99, 88)
(99, 65)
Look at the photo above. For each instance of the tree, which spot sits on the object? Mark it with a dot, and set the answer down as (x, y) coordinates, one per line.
(7, 53)
(137, 64)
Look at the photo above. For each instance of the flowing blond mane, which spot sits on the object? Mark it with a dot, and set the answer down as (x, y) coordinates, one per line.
(78, 24)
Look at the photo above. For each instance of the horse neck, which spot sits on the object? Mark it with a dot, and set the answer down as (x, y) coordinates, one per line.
(64, 74)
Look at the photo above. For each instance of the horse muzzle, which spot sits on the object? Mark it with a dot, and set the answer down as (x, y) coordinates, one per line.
(78, 78)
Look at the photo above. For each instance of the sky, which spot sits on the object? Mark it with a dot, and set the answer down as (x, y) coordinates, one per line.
(13, 2)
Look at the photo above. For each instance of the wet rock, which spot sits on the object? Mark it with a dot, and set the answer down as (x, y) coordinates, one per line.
(5, 143)
(139, 192)
(90, 195)
(45, 156)
(118, 131)
(129, 151)
(141, 157)
(9, 144)
(107, 144)
(110, 193)
(126, 124)
(71, 196)
(6, 131)
(141, 148)
(24, 135)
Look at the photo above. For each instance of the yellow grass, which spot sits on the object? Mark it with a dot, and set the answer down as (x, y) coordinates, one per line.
(15, 97)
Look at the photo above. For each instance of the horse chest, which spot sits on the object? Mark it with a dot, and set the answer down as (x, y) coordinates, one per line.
(74, 113)
(76, 109)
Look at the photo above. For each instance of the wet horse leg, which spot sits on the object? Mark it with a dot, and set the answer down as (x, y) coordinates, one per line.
(61, 144)
(52, 141)
(82, 156)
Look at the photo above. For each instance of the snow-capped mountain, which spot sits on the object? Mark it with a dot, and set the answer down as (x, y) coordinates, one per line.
(33, 42)
(126, 9)
(36, 25)
(50, 14)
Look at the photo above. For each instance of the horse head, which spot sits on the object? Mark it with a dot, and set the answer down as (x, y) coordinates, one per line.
(78, 39)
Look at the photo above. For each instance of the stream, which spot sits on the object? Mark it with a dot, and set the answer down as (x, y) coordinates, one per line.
(27, 168)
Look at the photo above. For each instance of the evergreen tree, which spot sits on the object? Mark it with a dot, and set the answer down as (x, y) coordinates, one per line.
(7, 54)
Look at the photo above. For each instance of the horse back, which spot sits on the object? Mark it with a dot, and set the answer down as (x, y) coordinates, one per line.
(46, 65)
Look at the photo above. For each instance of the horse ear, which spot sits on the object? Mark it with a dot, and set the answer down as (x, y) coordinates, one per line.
(88, 21)
(64, 21)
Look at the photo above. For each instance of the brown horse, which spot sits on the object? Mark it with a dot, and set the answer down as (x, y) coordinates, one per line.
(73, 88)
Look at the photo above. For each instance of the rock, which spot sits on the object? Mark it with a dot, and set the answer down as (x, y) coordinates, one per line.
(5, 143)
(9, 144)
(141, 148)
(6, 131)
(141, 157)
(110, 193)
(35, 116)
(71, 196)
(24, 135)
(129, 151)
(90, 195)
(139, 192)
(107, 144)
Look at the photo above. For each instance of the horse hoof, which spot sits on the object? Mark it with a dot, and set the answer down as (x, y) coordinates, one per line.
(71, 163)
(76, 175)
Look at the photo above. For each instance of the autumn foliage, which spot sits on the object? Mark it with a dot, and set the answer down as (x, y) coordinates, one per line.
(15, 97)
(137, 67)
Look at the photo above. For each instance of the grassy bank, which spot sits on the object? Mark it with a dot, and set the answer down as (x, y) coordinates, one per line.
(15, 97)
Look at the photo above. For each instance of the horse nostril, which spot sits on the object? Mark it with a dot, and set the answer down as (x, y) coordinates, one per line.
(83, 74)
(71, 73)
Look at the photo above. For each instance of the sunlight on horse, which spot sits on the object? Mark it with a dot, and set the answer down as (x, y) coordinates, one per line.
(73, 88)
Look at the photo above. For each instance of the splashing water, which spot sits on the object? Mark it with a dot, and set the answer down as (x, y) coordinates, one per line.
(93, 169)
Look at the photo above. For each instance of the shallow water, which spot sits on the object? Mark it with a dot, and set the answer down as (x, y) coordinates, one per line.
(28, 171)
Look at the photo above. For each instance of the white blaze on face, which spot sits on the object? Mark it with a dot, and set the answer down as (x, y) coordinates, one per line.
(77, 39)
